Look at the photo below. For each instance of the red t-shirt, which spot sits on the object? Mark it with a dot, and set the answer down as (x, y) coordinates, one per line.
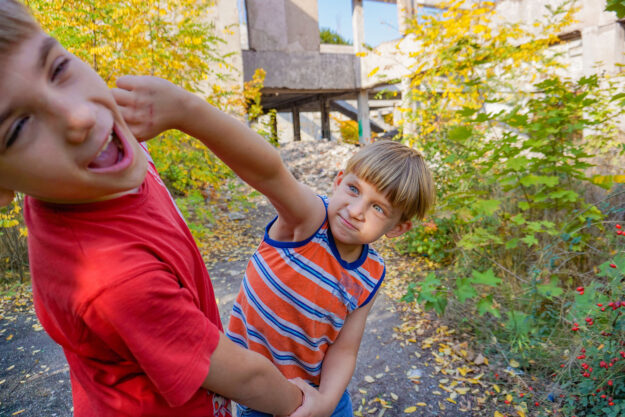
(121, 286)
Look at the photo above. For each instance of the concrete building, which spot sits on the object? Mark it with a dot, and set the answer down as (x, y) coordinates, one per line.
(303, 75)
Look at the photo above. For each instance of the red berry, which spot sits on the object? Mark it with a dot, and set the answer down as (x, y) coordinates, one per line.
(599, 305)
(610, 403)
(522, 395)
(612, 266)
(618, 226)
(604, 396)
(619, 232)
(610, 382)
(506, 401)
(580, 289)
(536, 404)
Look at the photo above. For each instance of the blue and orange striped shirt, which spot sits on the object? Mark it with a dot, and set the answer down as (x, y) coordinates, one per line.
(295, 297)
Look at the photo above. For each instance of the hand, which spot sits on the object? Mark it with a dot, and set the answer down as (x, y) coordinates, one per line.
(312, 406)
(150, 105)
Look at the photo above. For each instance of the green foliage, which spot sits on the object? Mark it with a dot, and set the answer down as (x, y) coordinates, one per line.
(13, 248)
(593, 373)
(512, 145)
(617, 6)
(433, 238)
(330, 36)
(349, 131)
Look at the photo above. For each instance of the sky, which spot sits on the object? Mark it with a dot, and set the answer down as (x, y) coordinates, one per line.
(380, 20)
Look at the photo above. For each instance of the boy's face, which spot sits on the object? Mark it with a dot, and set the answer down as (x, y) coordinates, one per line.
(358, 213)
(62, 137)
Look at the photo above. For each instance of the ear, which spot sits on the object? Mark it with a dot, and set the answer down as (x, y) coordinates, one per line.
(337, 180)
(399, 229)
(6, 196)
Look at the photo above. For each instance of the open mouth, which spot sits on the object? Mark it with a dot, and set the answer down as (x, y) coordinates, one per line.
(113, 155)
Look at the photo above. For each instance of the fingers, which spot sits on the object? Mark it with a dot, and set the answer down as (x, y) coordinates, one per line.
(123, 97)
(127, 82)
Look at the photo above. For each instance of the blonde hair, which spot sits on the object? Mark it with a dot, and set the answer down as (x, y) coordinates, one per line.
(397, 171)
(16, 26)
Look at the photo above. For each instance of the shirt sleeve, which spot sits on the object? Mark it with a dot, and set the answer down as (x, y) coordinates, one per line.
(156, 322)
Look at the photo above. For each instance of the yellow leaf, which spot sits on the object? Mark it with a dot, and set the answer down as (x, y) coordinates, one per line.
(520, 412)
(514, 364)
(373, 72)
(498, 414)
(462, 391)
(422, 404)
(496, 387)
(509, 397)
(410, 410)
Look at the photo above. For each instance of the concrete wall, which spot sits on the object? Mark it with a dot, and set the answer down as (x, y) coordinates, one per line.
(283, 25)
(302, 70)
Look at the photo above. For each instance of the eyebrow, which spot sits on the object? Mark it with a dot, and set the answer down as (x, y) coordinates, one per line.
(44, 50)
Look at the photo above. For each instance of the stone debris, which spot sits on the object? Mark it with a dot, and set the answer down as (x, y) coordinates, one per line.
(316, 162)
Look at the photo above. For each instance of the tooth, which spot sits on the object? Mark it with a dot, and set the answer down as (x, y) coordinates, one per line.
(110, 138)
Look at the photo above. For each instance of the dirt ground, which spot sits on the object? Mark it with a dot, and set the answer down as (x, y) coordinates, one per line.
(392, 378)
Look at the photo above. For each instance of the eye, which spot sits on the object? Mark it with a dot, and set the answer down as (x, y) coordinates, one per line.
(353, 189)
(58, 69)
(15, 132)
(378, 209)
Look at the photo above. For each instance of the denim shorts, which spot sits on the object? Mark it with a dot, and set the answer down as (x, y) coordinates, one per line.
(343, 409)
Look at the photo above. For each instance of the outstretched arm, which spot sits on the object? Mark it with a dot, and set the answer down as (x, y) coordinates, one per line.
(151, 105)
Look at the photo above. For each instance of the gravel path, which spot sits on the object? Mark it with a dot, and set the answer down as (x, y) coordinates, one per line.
(34, 378)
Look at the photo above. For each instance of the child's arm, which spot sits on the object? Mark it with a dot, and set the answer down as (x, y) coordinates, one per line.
(250, 379)
(338, 364)
(151, 105)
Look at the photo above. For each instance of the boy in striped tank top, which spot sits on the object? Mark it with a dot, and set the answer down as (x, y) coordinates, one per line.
(310, 285)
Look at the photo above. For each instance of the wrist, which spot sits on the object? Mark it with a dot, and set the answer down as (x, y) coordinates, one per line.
(184, 105)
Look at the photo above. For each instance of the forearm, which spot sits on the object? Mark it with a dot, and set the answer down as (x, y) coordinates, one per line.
(265, 391)
(250, 379)
(250, 156)
(337, 370)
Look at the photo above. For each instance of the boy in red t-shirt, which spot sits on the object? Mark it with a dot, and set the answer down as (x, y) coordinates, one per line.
(117, 279)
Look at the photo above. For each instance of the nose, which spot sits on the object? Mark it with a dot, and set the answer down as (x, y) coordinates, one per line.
(77, 117)
(356, 209)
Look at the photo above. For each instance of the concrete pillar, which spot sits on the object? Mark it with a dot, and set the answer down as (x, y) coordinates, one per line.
(358, 26)
(297, 130)
(405, 10)
(603, 48)
(325, 119)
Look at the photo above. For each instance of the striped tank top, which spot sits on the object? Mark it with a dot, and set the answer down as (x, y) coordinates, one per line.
(295, 297)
